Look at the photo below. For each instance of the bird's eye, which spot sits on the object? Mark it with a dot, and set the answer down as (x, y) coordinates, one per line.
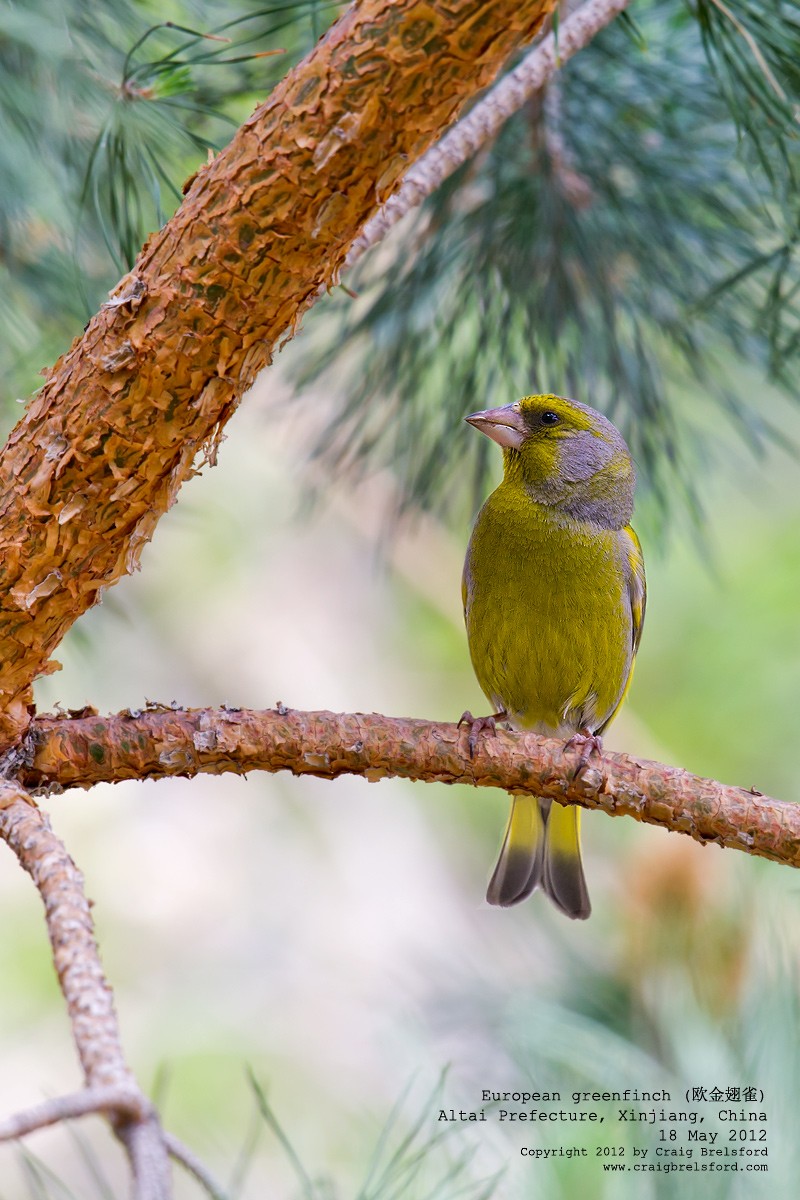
(549, 417)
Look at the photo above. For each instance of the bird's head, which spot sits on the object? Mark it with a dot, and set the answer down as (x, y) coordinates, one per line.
(565, 455)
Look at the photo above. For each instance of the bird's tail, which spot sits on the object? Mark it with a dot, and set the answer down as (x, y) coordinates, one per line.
(542, 849)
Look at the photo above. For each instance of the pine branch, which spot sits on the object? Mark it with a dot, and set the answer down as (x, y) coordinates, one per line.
(87, 993)
(195, 1167)
(80, 751)
(110, 1088)
(578, 251)
(487, 117)
(104, 447)
(119, 1101)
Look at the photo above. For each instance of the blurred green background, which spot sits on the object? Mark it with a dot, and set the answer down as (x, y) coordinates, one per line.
(332, 938)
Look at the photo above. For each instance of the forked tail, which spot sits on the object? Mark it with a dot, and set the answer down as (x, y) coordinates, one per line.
(542, 849)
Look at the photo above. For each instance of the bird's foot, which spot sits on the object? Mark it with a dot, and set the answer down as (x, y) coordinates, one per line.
(477, 725)
(589, 743)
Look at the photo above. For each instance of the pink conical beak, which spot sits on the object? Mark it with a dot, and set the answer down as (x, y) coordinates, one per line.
(503, 425)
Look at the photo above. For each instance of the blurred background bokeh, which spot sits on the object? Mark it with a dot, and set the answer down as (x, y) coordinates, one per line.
(333, 937)
(331, 941)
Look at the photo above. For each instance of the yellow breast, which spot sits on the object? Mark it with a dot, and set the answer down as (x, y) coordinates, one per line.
(548, 614)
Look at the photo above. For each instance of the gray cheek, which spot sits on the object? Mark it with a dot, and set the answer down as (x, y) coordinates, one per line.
(582, 455)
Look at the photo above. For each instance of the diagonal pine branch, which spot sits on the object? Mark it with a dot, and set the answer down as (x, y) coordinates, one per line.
(195, 1167)
(488, 116)
(107, 442)
(161, 742)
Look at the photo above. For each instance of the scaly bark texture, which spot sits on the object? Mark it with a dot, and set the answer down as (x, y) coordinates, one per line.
(485, 120)
(82, 751)
(114, 432)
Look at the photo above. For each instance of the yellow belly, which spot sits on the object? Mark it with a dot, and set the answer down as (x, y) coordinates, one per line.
(548, 616)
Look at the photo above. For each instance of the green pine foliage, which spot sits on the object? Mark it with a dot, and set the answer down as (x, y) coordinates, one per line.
(624, 240)
(629, 238)
(104, 112)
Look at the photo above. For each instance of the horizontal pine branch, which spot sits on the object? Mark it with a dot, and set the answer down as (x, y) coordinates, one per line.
(83, 749)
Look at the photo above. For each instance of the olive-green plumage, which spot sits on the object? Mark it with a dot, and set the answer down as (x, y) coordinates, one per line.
(554, 597)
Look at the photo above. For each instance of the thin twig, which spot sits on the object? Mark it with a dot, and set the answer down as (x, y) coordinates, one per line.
(88, 995)
(122, 1101)
(161, 742)
(189, 1160)
(487, 117)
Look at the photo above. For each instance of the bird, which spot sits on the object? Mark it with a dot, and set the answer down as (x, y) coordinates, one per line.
(554, 601)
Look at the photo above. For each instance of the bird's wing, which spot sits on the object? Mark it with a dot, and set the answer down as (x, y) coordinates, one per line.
(637, 597)
(637, 584)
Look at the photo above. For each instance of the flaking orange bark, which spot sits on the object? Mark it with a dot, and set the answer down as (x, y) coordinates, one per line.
(125, 414)
(162, 742)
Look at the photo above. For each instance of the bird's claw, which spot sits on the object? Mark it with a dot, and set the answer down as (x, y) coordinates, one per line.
(589, 744)
(477, 725)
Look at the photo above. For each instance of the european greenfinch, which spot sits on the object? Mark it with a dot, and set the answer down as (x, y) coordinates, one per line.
(554, 601)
